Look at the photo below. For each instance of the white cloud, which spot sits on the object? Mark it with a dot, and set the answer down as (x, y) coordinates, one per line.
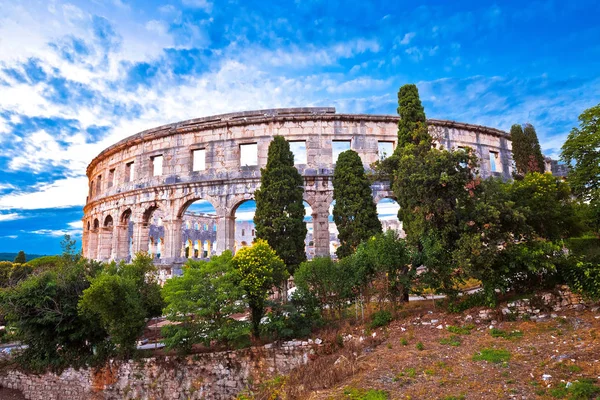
(57, 232)
(203, 4)
(407, 38)
(61, 193)
(9, 237)
(10, 217)
(77, 225)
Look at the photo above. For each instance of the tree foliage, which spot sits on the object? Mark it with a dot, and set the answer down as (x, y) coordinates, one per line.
(42, 309)
(201, 303)
(122, 298)
(354, 212)
(259, 269)
(581, 151)
(387, 259)
(279, 216)
(412, 126)
(20, 258)
(527, 153)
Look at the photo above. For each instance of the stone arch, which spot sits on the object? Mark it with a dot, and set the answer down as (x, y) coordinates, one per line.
(96, 224)
(193, 215)
(108, 221)
(190, 199)
(126, 216)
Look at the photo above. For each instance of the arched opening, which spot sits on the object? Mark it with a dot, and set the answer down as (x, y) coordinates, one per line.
(387, 211)
(108, 222)
(199, 221)
(207, 249)
(334, 241)
(244, 223)
(126, 236)
(96, 224)
(93, 240)
(309, 242)
(105, 239)
(153, 222)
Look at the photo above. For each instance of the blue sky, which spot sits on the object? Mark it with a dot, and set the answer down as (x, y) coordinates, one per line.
(77, 76)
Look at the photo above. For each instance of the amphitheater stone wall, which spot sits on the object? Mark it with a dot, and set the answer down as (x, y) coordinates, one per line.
(218, 159)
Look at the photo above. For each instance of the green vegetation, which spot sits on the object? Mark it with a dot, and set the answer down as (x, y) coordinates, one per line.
(279, 216)
(20, 258)
(494, 332)
(464, 330)
(527, 153)
(354, 212)
(453, 340)
(420, 346)
(365, 394)
(495, 356)
(259, 269)
(584, 389)
(380, 318)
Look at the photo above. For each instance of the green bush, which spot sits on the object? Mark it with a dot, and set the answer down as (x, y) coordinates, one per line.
(363, 394)
(584, 278)
(380, 318)
(495, 356)
(587, 247)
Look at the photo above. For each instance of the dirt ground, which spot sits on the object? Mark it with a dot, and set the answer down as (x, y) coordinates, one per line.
(9, 394)
(541, 357)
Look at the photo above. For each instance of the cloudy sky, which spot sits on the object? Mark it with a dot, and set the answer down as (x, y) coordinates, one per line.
(77, 76)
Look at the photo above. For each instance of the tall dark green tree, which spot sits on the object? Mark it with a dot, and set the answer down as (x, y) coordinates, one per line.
(279, 216)
(527, 153)
(354, 212)
(412, 127)
(20, 258)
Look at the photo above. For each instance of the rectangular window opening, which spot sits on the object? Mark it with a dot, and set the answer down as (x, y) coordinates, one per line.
(129, 172)
(248, 154)
(99, 184)
(157, 165)
(338, 147)
(493, 161)
(111, 178)
(199, 160)
(385, 149)
(299, 150)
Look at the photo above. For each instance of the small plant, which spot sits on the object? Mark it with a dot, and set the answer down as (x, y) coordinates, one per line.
(464, 330)
(506, 335)
(362, 394)
(404, 342)
(495, 356)
(380, 318)
(459, 397)
(420, 346)
(453, 340)
(389, 345)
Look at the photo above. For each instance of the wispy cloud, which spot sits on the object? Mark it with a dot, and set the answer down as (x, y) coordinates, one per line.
(10, 217)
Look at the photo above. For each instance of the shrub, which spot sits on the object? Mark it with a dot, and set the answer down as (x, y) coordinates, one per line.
(362, 394)
(495, 356)
(584, 278)
(420, 346)
(380, 318)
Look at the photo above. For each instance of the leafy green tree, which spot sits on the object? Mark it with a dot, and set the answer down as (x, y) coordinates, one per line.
(20, 258)
(325, 282)
(387, 259)
(526, 150)
(259, 269)
(354, 212)
(435, 190)
(122, 297)
(546, 204)
(279, 216)
(42, 310)
(201, 302)
(581, 151)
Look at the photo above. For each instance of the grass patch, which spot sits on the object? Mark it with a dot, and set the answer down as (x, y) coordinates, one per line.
(506, 335)
(462, 330)
(363, 394)
(584, 389)
(495, 356)
(420, 346)
(459, 397)
(453, 340)
(403, 342)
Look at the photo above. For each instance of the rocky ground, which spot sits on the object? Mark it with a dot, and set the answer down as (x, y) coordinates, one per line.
(478, 355)
(10, 394)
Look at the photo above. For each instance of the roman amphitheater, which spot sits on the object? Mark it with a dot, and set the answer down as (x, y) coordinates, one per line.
(141, 188)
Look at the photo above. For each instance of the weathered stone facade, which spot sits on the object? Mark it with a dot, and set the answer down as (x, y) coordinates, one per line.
(160, 169)
(219, 375)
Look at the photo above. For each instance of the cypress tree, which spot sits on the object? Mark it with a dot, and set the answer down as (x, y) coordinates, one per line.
(526, 150)
(354, 212)
(20, 258)
(279, 216)
(536, 159)
(412, 127)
